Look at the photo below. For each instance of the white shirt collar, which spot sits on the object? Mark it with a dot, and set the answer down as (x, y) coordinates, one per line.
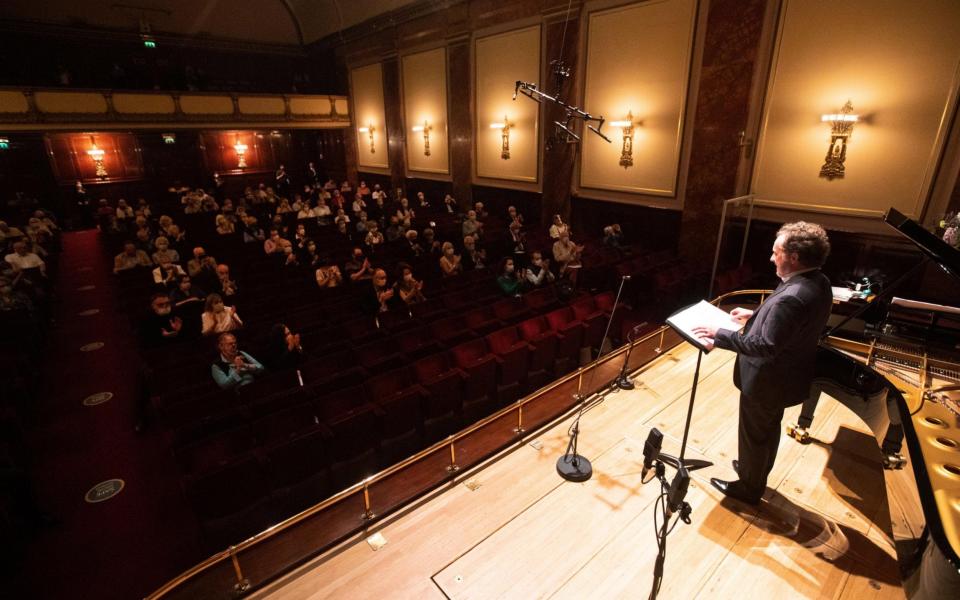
(797, 272)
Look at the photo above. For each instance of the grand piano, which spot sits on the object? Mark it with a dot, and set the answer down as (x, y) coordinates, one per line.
(901, 375)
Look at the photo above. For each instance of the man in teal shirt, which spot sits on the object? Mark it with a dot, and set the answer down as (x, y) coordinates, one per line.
(234, 368)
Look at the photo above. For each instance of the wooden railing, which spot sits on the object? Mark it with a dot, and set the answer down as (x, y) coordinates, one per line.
(275, 551)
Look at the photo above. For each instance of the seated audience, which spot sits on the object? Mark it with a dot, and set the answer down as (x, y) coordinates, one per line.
(409, 289)
(450, 205)
(130, 258)
(23, 259)
(167, 273)
(233, 369)
(450, 264)
(327, 274)
(218, 318)
(225, 286)
(558, 227)
(473, 256)
(539, 271)
(413, 248)
(374, 238)
(567, 256)
(380, 296)
(613, 237)
(510, 280)
(358, 267)
(224, 225)
(513, 215)
(164, 250)
(471, 226)
(283, 349)
(186, 293)
(161, 325)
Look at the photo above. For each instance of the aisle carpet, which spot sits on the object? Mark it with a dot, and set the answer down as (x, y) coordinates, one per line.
(127, 546)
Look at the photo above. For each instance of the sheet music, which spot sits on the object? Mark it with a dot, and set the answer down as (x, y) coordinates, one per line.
(701, 313)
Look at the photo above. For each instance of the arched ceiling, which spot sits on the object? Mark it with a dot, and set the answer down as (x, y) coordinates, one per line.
(284, 22)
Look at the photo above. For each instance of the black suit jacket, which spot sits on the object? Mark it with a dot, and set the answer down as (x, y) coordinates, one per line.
(777, 348)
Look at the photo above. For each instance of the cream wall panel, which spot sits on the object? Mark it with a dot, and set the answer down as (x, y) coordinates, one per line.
(206, 105)
(342, 106)
(13, 102)
(898, 63)
(501, 60)
(425, 99)
(160, 104)
(638, 60)
(261, 105)
(310, 106)
(70, 102)
(366, 90)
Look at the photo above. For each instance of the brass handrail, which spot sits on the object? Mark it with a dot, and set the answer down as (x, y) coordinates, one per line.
(232, 552)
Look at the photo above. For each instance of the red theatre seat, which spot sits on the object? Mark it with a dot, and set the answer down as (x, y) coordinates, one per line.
(480, 388)
(570, 337)
(537, 333)
(514, 355)
(443, 405)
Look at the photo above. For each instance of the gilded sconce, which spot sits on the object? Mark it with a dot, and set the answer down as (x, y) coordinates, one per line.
(841, 126)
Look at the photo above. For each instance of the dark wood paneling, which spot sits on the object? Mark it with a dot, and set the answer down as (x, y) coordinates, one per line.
(265, 151)
(460, 116)
(70, 161)
(396, 135)
(723, 103)
(653, 228)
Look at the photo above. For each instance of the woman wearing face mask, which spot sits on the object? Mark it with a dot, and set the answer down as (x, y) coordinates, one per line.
(162, 244)
(510, 279)
(408, 288)
(450, 261)
(218, 318)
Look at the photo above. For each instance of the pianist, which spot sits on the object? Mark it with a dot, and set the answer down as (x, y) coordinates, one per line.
(776, 350)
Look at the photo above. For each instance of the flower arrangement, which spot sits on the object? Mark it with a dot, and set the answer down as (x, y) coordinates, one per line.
(950, 224)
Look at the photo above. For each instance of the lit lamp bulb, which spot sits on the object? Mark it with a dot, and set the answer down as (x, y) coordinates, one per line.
(841, 127)
(425, 128)
(626, 151)
(504, 128)
(96, 154)
(241, 150)
(369, 129)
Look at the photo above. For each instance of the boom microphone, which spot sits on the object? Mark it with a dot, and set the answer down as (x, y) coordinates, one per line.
(626, 277)
(678, 490)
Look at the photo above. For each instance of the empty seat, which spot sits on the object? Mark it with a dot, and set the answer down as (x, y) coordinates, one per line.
(513, 353)
(543, 340)
(451, 331)
(298, 471)
(482, 320)
(399, 398)
(353, 445)
(286, 424)
(569, 337)
(443, 405)
(593, 319)
(480, 387)
(511, 310)
(417, 344)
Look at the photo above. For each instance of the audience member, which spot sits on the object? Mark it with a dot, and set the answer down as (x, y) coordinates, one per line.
(358, 267)
(185, 293)
(408, 287)
(613, 237)
(234, 368)
(167, 272)
(283, 349)
(218, 318)
(510, 280)
(539, 271)
(473, 256)
(225, 286)
(161, 326)
(380, 296)
(450, 264)
(130, 258)
(558, 227)
(471, 226)
(162, 244)
(567, 256)
(327, 274)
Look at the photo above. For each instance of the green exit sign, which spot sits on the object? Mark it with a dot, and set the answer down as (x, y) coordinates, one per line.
(149, 44)
(4, 144)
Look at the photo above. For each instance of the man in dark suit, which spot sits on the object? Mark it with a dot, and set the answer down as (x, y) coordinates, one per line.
(776, 351)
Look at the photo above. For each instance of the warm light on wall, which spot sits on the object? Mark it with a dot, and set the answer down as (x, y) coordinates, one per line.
(96, 154)
(504, 128)
(841, 127)
(369, 129)
(626, 151)
(241, 150)
(425, 128)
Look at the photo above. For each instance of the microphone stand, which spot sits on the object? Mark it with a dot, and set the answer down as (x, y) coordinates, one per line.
(571, 466)
(622, 381)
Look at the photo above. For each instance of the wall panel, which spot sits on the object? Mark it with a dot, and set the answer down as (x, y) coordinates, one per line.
(897, 65)
(638, 62)
(366, 92)
(500, 60)
(425, 102)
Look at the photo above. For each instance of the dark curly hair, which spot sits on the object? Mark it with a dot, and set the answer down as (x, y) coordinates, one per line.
(808, 241)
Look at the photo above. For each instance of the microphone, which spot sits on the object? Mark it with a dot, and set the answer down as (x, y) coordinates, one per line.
(626, 277)
(678, 491)
(651, 450)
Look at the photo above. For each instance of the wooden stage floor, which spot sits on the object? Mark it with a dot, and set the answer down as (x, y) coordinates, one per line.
(514, 529)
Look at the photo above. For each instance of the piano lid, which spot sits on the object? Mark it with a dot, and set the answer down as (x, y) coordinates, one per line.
(935, 248)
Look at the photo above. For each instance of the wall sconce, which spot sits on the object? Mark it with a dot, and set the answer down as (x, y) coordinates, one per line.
(96, 154)
(369, 129)
(241, 150)
(425, 128)
(504, 137)
(841, 126)
(626, 151)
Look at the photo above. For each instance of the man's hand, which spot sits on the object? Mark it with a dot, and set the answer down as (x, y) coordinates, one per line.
(176, 323)
(741, 315)
(239, 363)
(706, 335)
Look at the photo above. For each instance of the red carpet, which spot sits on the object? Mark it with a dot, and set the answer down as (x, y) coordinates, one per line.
(126, 546)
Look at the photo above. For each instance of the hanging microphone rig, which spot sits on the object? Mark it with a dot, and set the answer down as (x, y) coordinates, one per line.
(563, 130)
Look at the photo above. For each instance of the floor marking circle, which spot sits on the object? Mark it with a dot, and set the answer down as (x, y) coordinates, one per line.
(86, 288)
(104, 491)
(89, 312)
(91, 346)
(98, 398)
